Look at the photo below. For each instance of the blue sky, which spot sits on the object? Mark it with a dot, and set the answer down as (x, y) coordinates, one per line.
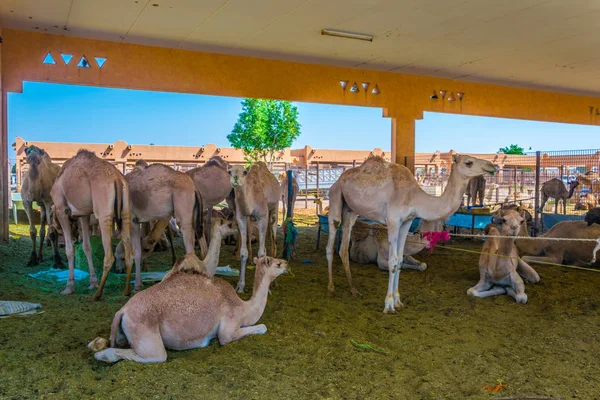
(51, 112)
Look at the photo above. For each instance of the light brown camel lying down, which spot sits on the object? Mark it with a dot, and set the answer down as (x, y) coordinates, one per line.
(370, 245)
(500, 268)
(562, 252)
(205, 308)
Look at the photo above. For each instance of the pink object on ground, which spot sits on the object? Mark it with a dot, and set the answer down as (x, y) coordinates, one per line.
(434, 237)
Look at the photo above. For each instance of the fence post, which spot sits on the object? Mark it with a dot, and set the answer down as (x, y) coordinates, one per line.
(306, 187)
(318, 193)
(537, 193)
(286, 248)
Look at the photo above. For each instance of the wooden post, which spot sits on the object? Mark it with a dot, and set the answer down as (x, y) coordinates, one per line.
(353, 163)
(537, 193)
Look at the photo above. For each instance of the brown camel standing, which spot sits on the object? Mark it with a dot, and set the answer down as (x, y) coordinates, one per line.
(87, 185)
(257, 194)
(284, 194)
(554, 188)
(36, 188)
(158, 192)
(388, 193)
(212, 180)
(475, 190)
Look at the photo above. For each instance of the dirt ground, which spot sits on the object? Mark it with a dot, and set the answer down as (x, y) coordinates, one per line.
(442, 345)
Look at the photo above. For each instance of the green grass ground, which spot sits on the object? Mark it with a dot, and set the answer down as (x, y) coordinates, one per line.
(442, 345)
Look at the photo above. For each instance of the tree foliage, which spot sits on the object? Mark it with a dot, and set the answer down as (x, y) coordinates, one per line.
(264, 127)
(513, 149)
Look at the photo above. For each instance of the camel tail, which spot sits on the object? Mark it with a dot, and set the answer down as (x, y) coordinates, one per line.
(199, 211)
(117, 336)
(118, 203)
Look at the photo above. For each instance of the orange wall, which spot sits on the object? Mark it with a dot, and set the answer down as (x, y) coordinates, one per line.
(403, 97)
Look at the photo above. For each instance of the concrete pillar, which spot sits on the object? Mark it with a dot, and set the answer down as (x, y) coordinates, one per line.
(403, 141)
(4, 188)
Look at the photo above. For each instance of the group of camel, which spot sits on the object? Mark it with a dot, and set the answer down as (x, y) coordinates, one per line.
(88, 188)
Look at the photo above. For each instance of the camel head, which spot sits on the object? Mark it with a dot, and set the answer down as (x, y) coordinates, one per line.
(572, 187)
(593, 216)
(237, 175)
(226, 227)
(470, 167)
(510, 221)
(270, 267)
(34, 155)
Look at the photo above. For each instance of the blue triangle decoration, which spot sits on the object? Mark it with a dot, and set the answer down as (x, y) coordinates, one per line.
(100, 61)
(67, 58)
(83, 63)
(48, 59)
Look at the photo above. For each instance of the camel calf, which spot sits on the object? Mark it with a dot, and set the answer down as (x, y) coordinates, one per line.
(205, 308)
(500, 268)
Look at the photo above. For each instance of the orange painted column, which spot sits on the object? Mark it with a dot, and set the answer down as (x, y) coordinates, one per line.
(403, 141)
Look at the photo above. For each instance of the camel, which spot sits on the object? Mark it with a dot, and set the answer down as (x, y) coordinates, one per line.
(563, 251)
(257, 195)
(499, 262)
(490, 193)
(369, 245)
(387, 193)
(157, 193)
(318, 204)
(212, 180)
(149, 244)
(205, 308)
(284, 195)
(555, 188)
(36, 187)
(476, 189)
(587, 202)
(87, 185)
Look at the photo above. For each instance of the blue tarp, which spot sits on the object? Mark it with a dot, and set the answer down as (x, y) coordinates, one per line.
(552, 219)
(466, 220)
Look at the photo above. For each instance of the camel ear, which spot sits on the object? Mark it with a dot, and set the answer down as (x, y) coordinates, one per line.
(267, 261)
(455, 158)
(245, 171)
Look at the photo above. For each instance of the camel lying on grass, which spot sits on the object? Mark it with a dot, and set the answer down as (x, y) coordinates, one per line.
(370, 245)
(205, 308)
(500, 268)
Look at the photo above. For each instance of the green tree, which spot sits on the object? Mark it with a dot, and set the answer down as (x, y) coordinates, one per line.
(513, 149)
(264, 127)
(13, 170)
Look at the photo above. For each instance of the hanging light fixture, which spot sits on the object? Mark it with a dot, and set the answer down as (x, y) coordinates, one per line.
(460, 95)
(375, 90)
(365, 85)
(434, 96)
(443, 94)
(354, 88)
(451, 97)
(343, 84)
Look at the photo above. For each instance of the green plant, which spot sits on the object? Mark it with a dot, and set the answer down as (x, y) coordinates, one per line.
(263, 128)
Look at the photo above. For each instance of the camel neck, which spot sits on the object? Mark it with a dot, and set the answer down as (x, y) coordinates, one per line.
(241, 200)
(433, 207)
(211, 260)
(254, 308)
(505, 245)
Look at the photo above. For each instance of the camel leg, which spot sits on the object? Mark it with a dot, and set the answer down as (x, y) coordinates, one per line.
(348, 220)
(273, 220)
(43, 220)
(105, 229)
(517, 291)
(242, 226)
(170, 237)
(53, 236)
(527, 272)
(410, 263)
(65, 225)
(494, 291)
(249, 237)
(550, 258)
(402, 234)
(263, 227)
(228, 334)
(146, 348)
(33, 260)
(87, 250)
(136, 247)
(393, 263)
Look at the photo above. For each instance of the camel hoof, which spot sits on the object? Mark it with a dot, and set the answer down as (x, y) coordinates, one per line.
(94, 298)
(240, 288)
(33, 260)
(68, 290)
(93, 286)
(398, 303)
(423, 267)
(521, 298)
(98, 344)
(390, 310)
(261, 329)
(331, 288)
(355, 293)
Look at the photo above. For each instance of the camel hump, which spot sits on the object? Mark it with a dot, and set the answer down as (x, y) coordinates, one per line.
(217, 161)
(84, 153)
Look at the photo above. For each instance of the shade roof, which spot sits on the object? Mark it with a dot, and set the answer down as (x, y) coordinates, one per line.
(542, 44)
